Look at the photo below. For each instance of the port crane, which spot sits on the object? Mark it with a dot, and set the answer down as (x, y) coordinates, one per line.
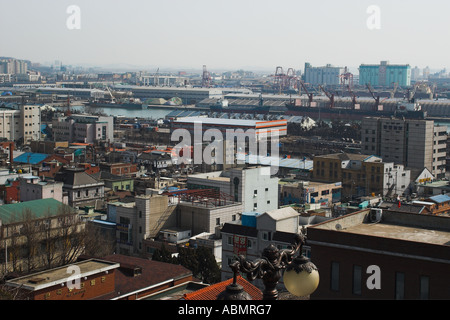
(113, 99)
(329, 95)
(394, 90)
(352, 94)
(376, 98)
(310, 95)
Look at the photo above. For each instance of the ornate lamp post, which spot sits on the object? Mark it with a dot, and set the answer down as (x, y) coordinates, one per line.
(301, 276)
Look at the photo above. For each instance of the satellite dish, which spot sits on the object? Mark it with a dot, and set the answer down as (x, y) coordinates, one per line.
(338, 227)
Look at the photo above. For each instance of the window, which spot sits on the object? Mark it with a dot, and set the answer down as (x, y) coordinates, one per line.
(217, 221)
(399, 285)
(334, 276)
(230, 240)
(424, 287)
(357, 280)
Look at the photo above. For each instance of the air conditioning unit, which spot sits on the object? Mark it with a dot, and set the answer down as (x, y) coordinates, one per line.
(375, 215)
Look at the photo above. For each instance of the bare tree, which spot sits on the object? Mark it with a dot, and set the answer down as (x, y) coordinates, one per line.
(30, 231)
(71, 235)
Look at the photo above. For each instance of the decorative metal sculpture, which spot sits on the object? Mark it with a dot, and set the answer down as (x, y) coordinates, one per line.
(269, 267)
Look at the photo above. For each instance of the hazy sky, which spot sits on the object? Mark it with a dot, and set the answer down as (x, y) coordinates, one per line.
(229, 34)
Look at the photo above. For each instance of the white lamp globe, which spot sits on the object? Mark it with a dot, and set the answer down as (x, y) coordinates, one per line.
(301, 277)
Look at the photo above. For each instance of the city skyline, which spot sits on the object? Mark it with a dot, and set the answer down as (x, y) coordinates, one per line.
(231, 35)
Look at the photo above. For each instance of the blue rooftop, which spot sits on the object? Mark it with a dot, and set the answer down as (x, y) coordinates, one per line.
(440, 198)
(30, 157)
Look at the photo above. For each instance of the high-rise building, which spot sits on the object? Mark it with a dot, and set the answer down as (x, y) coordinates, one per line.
(384, 74)
(426, 73)
(414, 143)
(326, 75)
(415, 73)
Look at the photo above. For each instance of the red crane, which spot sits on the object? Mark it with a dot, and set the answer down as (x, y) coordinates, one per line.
(310, 95)
(329, 95)
(206, 78)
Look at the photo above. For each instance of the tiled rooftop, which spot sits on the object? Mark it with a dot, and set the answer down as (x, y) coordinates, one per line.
(211, 292)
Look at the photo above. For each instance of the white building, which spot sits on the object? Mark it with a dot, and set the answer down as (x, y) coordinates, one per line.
(326, 75)
(23, 123)
(254, 187)
(257, 232)
(32, 188)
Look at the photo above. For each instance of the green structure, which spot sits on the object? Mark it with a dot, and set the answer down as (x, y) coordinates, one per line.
(385, 74)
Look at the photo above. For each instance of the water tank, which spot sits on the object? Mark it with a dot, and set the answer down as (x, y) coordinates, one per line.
(249, 219)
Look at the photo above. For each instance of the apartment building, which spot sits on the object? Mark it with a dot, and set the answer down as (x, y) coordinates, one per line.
(416, 144)
(23, 123)
(362, 175)
(83, 128)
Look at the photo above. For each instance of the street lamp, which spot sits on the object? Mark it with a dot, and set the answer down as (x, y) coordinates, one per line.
(301, 276)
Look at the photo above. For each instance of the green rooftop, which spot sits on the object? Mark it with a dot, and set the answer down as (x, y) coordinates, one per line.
(40, 209)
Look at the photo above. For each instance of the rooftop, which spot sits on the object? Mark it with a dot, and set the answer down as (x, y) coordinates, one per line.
(52, 277)
(39, 208)
(231, 122)
(211, 292)
(394, 224)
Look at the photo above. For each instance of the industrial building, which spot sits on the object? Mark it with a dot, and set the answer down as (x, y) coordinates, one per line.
(326, 75)
(385, 74)
(416, 144)
(188, 95)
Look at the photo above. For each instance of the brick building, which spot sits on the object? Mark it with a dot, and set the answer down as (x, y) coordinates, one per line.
(114, 277)
(372, 254)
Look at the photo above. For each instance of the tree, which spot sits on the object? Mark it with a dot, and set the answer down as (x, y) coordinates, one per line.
(201, 262)
(163, 255)
(209, 271)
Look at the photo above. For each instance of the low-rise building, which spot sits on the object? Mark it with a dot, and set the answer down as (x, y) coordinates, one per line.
(34, 188)
(251, 235)
(307, 192)
(381, 254)
(82, 188)
(34, 234)
(113, 277)
(362, 175)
